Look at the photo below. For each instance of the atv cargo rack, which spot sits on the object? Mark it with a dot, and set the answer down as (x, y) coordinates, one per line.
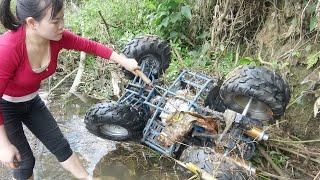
(137, 93)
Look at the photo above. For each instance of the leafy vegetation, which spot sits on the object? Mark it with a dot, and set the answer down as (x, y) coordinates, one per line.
(170, 19)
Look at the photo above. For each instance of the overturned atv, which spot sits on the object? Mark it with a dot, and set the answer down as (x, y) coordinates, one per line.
(176, 120)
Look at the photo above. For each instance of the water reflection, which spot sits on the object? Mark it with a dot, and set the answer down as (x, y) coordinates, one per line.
(136, 162)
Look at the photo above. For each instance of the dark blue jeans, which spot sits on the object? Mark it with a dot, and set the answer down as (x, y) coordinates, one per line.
(36, 116)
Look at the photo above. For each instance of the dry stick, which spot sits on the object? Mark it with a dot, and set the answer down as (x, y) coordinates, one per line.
(77, 79)
(232, 27)
(193, 177)
(301, 19)
(62, 80)
(107, 26)
(254, 37)
(317, 176)
(224, 13)
(306, 141)
(301, 170)
(115, 81)
(299, 154)
(261, 60)
(318, 23)
(237, 54)
(297, 46)
(303, 149)
(264, 173)
(179, 58)
(274, 166)
(220, 24)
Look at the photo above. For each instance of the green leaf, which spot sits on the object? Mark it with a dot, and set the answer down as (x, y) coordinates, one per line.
(151, 6)
(175, 17)
(313, 23)
(313, 59)
(245, 61)
(296, 54)
(170, 5)
(186, 11)
(174, 34)
(308, 48)
(229, 57)
(203, 36)
(164, 22)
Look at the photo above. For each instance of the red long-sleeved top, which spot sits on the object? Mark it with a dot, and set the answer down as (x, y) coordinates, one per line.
(16, 75)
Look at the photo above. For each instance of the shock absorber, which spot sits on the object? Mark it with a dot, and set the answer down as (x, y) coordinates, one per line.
(257, 134)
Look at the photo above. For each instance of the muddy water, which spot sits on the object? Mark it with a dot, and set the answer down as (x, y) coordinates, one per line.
(105, 159)
(136, 162)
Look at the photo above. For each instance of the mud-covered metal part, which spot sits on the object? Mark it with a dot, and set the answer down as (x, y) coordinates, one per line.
(204, 175)
(182, 123)
(269, 91)
(223, 168)
(193, 82)
(243, 129)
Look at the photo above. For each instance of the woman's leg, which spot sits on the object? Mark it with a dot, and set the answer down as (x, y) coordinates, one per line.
(13, 114)
(45, 128)
(73, 165)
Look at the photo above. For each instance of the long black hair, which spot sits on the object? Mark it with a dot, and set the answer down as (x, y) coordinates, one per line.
(25, 9)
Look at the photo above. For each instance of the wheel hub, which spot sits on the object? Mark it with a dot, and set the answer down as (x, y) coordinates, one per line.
(114, 130)
(257, 109)
(151, 64)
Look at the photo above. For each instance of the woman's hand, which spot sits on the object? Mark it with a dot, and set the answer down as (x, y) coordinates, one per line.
(131, 64)
(128, 63)
(9, 155)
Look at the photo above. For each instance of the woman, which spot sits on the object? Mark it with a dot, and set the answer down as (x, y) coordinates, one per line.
(28, 55)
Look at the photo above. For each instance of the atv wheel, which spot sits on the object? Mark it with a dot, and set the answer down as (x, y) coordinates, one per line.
(269, 91)
(209, 161)
(213, 100)
(150, 51)
(116, 121)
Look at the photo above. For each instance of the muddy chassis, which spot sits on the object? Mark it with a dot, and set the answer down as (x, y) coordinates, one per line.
(239, 107)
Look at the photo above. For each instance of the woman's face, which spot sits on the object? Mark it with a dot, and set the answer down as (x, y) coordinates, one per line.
(51, 28)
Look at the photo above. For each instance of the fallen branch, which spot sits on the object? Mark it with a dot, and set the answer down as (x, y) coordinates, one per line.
(299, 142)
(263, 173)
(62, 80)
(107, 26)
(301, 170)
(179, 58)
(77, 79)
(274, 166)
(317, 176)
(261, 60)
(115, 81)
(301, 20)
(299, 154)
(217, 24)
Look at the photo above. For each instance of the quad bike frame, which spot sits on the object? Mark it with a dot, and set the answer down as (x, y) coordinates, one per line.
(248, 97)
(137, 93)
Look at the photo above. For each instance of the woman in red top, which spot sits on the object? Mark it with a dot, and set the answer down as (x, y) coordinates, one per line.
(28, 55)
